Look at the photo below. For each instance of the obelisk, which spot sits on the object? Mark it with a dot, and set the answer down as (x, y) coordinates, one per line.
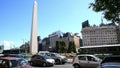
(33, 39)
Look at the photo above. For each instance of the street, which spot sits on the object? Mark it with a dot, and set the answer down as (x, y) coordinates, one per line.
(58, 66)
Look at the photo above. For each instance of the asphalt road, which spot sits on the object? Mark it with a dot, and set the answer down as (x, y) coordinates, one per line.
(58, 66)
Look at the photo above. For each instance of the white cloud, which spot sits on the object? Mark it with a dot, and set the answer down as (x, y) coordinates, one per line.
(7, 44)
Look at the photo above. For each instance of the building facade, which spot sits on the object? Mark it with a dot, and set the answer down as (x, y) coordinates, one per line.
(49, 43)
(68, 39)
(53, 38)
(45, 44)
(104, 38)
(118, 32)
(100, 35)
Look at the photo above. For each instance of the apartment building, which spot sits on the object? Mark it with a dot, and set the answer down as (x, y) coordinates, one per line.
(104, 38)
(45, 44)
(71, 38)
(49, 43)
(99, 35)
(53, 38)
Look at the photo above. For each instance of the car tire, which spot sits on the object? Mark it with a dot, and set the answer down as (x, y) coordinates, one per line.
(44, 64)
(76, 66)
(30, 63)
(63, 62)
(57, 61)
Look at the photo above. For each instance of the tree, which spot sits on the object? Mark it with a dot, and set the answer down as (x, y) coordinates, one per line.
(0, 47)
(63, 47)
(60, 47)
(71, 47)
(110, 9)
(25, 47)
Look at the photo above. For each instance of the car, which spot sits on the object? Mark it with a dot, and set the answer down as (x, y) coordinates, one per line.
(110, 62)
(59, 59)
(13, 62)
(86, 61)
(42, 60)
(43, 52)
(18, 56)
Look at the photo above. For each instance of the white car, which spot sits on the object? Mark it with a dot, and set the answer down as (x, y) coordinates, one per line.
(86, 61)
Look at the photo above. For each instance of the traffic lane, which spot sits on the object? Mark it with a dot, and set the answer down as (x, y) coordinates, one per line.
(58, 66)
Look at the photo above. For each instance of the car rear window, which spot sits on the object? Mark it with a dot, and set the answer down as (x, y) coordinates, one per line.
(46, 57)
(111, 59)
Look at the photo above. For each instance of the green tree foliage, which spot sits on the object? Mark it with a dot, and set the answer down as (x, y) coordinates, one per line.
(63, 47)
(71, 47)
(25, 47)
(110, 9)
(60, 47)
(0, 47)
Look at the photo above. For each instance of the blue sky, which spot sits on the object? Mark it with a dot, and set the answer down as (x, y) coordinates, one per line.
(53, 15)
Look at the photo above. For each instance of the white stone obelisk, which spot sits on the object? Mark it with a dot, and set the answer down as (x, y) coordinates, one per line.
(33, 39)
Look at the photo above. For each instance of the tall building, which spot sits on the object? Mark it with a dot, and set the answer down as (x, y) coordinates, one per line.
(46, 44)
(100, 35)
(118, 31)
(119, 25)
(33, 40)
(102, 39)
(49, 43)
(85, 24)
(53, 38)
(69, 37)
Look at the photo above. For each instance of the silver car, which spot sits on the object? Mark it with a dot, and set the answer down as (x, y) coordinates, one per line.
(86, 61)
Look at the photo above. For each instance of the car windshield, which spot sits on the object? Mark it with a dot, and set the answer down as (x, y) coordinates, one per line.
(56, 54)
(20, 62)
(111, 59)
(97, 58)
(46, 57)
